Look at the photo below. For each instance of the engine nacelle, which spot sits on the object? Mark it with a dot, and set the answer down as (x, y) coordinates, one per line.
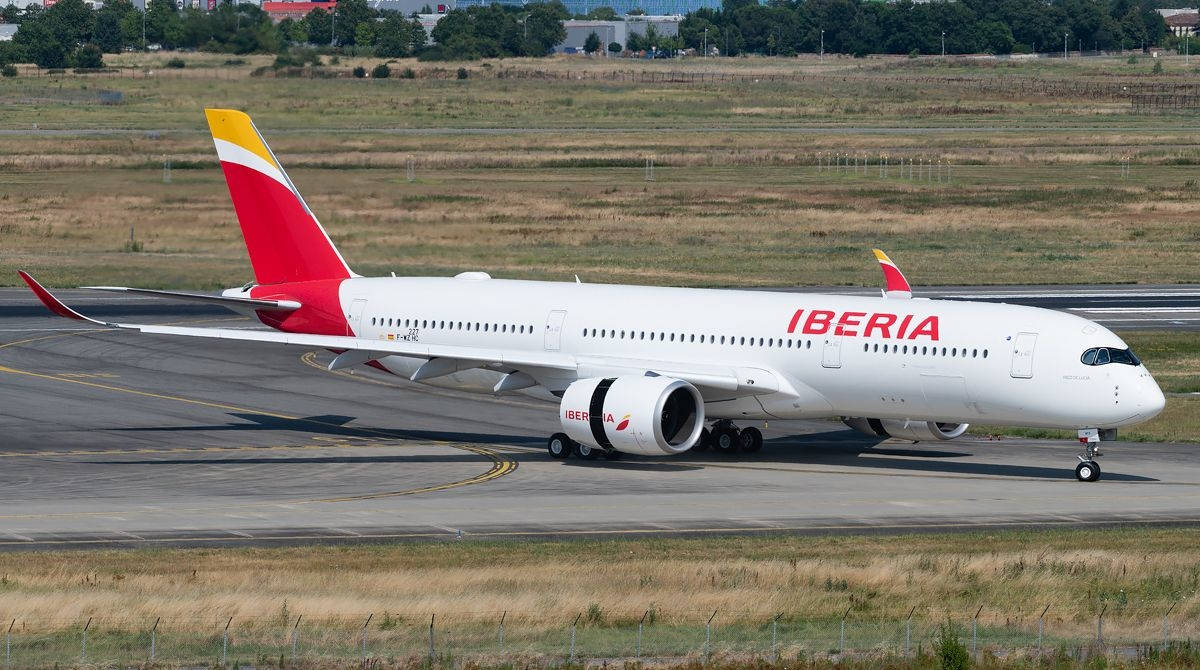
(907, 429)
(650, 415)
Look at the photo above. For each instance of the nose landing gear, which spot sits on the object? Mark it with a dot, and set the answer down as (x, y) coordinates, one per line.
(1088, 470)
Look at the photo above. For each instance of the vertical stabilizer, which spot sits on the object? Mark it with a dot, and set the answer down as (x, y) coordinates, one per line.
(285, 241)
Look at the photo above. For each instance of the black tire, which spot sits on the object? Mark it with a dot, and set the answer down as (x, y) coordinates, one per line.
(725, 439)
(559, 445)
(587, 452)
(750, 440)
(1087, 471)
(705, 441)
(612, 455)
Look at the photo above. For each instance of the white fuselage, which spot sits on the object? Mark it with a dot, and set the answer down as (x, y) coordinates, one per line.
(974, 362)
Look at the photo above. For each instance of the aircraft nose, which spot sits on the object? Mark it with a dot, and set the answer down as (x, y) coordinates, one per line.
(1151, 398)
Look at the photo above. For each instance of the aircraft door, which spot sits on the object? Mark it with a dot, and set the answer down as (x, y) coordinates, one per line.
(831, 352)
(554, 324)
(1022, 358)
(354, 319)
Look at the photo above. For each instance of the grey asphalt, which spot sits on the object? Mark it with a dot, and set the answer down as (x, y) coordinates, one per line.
(118, 439)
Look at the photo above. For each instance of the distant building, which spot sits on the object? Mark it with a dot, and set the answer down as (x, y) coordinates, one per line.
(1182, 22)
(410, 7)
(652, 7)
(279, 11)
(616, 31)
(7, 31)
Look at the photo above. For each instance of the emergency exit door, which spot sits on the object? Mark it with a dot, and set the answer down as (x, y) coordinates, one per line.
(554, 325)
(1024, 345)
(354, 322)
(831, 352)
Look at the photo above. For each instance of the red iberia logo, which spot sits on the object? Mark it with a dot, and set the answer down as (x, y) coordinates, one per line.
(862, 324)
(580, 415)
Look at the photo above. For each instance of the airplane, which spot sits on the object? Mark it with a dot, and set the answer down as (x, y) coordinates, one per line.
(661, 371)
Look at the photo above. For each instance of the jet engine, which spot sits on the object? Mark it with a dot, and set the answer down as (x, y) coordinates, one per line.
(650, 415)
(907, 429)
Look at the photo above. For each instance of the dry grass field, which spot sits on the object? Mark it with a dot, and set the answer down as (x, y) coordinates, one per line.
(545, 178)
(1135, 574)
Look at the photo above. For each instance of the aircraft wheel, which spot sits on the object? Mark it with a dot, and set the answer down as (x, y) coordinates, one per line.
(1087, 471)
(750, 440)
(586, 452)
(704, 442)
(559, 445)
(725, 439)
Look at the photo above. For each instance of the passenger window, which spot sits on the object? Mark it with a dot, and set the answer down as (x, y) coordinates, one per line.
(985, 353)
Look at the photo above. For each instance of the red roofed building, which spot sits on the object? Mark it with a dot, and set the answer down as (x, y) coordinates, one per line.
(279, 11)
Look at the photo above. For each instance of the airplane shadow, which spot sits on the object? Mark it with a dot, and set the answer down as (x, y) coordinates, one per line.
(848, 448)
(838, 448)
(335, 425)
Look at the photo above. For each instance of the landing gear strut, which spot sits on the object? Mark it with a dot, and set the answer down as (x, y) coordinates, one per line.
(1088, 470)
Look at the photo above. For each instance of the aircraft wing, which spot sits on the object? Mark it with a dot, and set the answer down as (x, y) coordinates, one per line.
(725, 380)
(226, 301)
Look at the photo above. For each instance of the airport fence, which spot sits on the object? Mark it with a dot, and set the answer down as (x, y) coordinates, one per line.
(594, 636)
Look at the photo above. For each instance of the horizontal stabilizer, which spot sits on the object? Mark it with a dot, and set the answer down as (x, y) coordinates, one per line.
(228, 301)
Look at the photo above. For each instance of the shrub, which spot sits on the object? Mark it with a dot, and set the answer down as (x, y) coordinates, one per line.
(463, 73)
(381, 71)
(951, 653)
(914, 53)
(1132, 60)
(407, 73)
(88, 56)
(235, 61)
(8, 70)
(360, 72)
(177, 63)
(1157, 67)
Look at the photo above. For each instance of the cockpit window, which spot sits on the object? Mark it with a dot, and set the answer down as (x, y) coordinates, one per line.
(1106, 355)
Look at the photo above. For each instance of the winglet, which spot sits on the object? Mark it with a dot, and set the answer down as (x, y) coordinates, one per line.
(897, 285)
(54, 304)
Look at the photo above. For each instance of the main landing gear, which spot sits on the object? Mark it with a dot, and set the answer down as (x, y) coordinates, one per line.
(726, 438)
(560, 446)
(1088, 470)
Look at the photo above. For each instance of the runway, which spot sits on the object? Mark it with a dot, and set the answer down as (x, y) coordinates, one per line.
(117, 439)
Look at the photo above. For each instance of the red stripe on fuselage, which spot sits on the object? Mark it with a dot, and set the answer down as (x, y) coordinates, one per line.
(320, 310)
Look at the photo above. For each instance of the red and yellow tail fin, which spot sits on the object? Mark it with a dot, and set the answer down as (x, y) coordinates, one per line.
(897, 285)
(285, 241)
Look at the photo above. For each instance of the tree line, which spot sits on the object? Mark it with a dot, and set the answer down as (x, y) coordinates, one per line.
(70, 34)
(860, 27)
